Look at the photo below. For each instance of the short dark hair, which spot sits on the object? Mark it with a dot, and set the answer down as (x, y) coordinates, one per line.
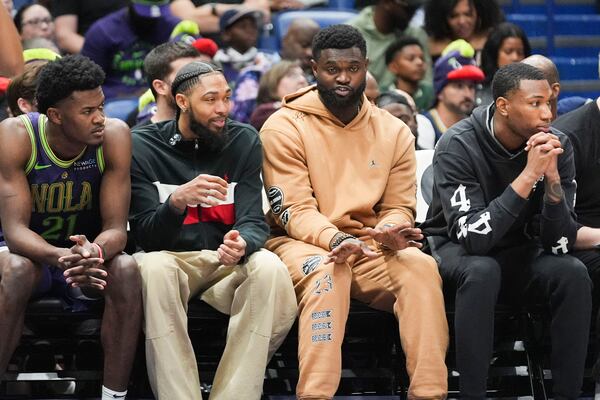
(58, 79)
(340, 36)
(392, 97)
(157, 64)
(489, 15)
(398, 45)
(189, 76)
(489, 54)
(509, 77)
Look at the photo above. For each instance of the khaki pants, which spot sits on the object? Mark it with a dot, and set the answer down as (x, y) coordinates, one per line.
(406, 283)
(259, 298)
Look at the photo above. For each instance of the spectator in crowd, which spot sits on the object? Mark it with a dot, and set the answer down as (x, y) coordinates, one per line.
(507, 43)
(196, 211)
(240, 33)
(405, 59)
(550, 71)
(38, 44)
(160, 66)
(455, 77)
(582, 126)
(120, 41)
(399, 106)
(11, 62)
(21, 90)
(502, 233)
(381, 25)
(426, 137)
(73, 18)
(207, 13)
(33, 21)
(347, 230)
(372, 88)
(283, 78)
(69, 240)
(471, 20)
(296, 44)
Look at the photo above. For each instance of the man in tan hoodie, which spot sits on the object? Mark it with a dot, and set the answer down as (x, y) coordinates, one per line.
(340, 178)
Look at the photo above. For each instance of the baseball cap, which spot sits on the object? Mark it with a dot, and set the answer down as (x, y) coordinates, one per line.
(230, 17)
(455, 66)
(151, 8)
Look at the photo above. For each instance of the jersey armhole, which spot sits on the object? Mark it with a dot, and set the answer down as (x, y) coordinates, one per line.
(33, 157)
(100, 158)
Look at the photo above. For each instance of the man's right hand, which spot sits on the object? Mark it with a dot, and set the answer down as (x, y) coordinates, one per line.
(543, 149)
(347, 248)
(203, 189)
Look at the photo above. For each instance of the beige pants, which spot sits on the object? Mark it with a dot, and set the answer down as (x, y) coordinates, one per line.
(258, 296)
(406, 283)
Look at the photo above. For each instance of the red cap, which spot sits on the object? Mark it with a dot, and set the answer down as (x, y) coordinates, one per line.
(4, 82)
(206, 46)
(466, 73)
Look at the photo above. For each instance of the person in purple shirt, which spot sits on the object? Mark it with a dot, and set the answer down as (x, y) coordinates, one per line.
(120, 41)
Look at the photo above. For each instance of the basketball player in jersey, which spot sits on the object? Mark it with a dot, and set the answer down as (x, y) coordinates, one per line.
(64, 197)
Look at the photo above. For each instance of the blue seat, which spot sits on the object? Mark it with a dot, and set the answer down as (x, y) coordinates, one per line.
(120, 108)
(324, 17)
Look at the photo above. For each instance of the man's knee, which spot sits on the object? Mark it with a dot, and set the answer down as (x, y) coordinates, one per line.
(571, 273)
(155, 265)
(483, 273)
(268, 267)
(124, 275)
(20, 274)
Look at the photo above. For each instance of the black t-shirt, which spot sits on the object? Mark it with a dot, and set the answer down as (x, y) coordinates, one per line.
(87, 11)
(583, 128)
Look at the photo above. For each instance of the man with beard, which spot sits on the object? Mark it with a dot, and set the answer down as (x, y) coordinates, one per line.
(381, 25)
(196, 211)
(340, 178)
(454, 78)
(501, 223)
(119, 42)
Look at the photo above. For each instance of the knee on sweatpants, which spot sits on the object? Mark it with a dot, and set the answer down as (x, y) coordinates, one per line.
(570, 273)
(268, 268)
(482, 274)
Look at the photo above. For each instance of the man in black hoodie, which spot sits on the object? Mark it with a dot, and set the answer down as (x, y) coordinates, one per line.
(501, 224)
(196, 210)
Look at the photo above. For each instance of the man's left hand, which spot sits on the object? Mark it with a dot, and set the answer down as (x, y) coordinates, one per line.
(397, 237)
(232, 249)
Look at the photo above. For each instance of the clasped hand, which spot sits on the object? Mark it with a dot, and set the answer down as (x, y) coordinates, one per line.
(82, 264)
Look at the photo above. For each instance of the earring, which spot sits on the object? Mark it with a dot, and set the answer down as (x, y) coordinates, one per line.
(184, 110)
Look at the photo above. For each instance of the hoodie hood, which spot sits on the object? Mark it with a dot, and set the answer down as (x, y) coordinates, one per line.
(307, 100)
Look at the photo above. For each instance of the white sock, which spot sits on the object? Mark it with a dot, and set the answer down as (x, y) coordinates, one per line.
(108, 394)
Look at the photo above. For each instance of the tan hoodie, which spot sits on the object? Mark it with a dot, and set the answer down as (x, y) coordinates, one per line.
(323, 177)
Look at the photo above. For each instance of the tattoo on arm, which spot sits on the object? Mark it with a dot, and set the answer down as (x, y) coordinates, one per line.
(553, 193)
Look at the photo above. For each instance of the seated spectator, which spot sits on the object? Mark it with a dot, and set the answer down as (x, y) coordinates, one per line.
(68, 241)
(340, 177)
(550, 71)
(426, 138)
(406, 60)
(297, 42)
(285, 77)
(196, 211)
(21, 90)
(239, 30)
(507, 43)
(38, 44)
(120, 41)
(471, 20)
(502, 227)
(455, 77)
(372, 89)
(33, 21)
(206, 13)
(161, 65)
(399, 106)
(381, 25)
(72, 19)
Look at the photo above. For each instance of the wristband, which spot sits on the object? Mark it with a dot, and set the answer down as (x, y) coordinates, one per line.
(338, 239)
(100, 253)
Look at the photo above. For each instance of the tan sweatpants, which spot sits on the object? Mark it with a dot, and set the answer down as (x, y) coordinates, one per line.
(406, 283)
(259, 298)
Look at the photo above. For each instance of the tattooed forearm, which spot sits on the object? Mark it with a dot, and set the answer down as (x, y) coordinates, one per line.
(553, 192)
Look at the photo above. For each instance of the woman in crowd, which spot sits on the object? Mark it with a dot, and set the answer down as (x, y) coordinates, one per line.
(471, 20)
(34, 21)
(506, 44)
(283, 78)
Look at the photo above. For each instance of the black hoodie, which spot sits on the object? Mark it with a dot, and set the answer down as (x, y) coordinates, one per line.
(473, 203)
